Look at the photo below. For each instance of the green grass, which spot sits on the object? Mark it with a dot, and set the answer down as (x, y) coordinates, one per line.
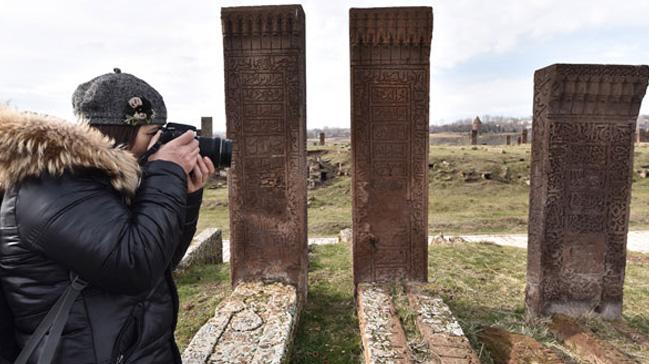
(328, 330)
(455, 206)
(484, 285)
(200, 289)
(214, 211)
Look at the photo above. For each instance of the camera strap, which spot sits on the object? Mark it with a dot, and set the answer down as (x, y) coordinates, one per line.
(51, 327)
(145, 157)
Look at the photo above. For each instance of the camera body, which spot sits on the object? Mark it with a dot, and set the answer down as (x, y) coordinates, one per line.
(219, 150)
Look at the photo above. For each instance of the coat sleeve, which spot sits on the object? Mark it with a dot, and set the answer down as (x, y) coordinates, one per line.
(87, 227)
(192, 211)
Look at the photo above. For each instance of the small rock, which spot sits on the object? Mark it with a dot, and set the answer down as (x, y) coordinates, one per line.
(345, 236)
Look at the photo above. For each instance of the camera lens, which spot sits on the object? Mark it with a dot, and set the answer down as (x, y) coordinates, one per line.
(219, 150)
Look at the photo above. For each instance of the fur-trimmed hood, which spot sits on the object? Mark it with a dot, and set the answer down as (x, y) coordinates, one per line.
(33, 144)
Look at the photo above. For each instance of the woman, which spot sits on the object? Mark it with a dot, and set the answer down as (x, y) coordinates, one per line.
(78, 204)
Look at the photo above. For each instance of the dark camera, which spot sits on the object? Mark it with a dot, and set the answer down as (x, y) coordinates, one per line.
(219, 150)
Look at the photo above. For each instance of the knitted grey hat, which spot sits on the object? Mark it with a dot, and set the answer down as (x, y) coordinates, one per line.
(119, 99)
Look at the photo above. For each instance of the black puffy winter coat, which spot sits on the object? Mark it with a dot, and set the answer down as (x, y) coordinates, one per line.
(75, 205)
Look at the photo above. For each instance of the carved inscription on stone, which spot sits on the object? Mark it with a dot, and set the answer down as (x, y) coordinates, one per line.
(266, 119)
(390, 50)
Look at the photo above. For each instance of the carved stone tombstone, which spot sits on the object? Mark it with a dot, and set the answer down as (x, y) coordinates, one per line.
(390, 51)
(474, 137)
(524, 136)
(264, 49)
(581, 170)
(322, 138)
(475, 130)
(206, 126)
(476, 124)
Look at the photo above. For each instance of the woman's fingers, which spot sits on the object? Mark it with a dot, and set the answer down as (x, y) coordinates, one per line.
(210, 165)
(205, 172)
(197, 174)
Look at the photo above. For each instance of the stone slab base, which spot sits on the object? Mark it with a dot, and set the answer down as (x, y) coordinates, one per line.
(583, 343)
(384, 340)
(383, 336)
(440, 329)
(254, 325)
(511, 348)
(206, 247)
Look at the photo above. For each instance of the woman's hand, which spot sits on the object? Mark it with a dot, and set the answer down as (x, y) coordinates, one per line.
(183, 151)
(202, 171)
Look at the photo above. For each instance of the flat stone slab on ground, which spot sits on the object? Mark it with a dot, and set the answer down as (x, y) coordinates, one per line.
(254, 325)
(440, 329)
(584, 343)
(206, 247)
(511, 348)
(384, 338)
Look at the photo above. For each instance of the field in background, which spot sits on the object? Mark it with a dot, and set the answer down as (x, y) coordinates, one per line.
(482, 189)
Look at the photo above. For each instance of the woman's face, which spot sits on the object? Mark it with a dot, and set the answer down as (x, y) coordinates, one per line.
(143, 139)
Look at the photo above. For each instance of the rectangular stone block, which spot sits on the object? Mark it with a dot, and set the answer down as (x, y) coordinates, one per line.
(524, 136)
(383, 337)
(390, 51)
(581, 172)
(206, 126)
(264, 49)
(205, 248)
(439, 328)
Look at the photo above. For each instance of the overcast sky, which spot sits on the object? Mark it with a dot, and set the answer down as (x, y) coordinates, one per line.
(483, 56)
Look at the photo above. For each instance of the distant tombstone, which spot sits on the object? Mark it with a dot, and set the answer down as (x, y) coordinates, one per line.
(206, 126)
(474, 137)
(581, 173)
(322, 138)
(524, 136)
(518, 140)
(477, 123)
(509, 139)
(390, 102)
(264, 49)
